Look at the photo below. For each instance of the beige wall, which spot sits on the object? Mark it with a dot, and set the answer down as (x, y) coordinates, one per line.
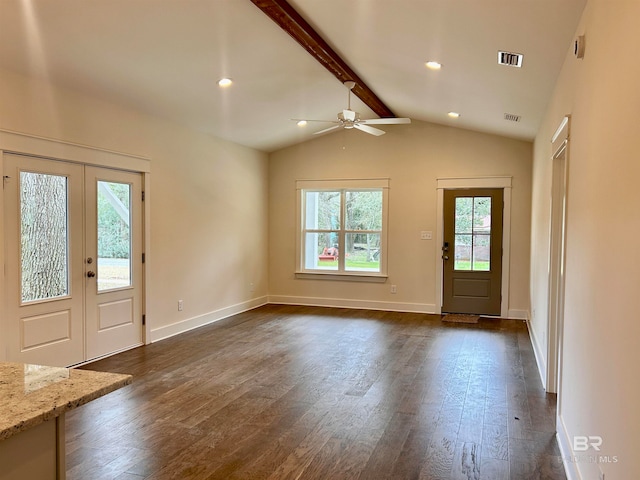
(208, 199)
(413, 157)
(599, 391)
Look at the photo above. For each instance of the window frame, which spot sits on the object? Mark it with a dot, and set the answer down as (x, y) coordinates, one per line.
(303, 186)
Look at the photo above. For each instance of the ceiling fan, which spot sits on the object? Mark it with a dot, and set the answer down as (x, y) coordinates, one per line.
(350, 119)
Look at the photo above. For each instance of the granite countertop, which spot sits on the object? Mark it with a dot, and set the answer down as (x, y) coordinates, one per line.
(33, 394)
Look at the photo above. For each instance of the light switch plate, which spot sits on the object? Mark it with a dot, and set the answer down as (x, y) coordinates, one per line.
(425, 235)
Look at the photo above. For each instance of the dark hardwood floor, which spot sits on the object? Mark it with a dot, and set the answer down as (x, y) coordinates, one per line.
(286, 392)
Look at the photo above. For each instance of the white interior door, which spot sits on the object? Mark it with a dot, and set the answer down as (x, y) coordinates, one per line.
(73, 254)
(113, 261)
(44, 272)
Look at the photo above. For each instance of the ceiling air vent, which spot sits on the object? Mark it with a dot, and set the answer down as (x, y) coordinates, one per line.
(511, 117)
(511, 59)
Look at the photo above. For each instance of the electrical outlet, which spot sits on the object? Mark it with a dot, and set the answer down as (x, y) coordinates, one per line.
(394, 289)
(251, 287)
(180, 305)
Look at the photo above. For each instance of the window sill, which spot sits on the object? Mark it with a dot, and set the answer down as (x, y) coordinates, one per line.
(343, 276)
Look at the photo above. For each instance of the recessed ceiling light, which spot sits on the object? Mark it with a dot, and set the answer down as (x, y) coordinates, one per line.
(453, 114)
(432, 65)
(302, 123)
(225, 82)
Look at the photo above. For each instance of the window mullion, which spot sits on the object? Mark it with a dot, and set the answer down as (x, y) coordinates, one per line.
(341, 236)
(473, 234)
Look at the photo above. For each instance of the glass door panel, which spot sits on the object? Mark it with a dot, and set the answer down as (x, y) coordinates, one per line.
(114, 235)
(44, 236)
(481, 253)
(472, 228)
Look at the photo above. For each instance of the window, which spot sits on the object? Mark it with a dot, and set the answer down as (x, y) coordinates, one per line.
(342, 227)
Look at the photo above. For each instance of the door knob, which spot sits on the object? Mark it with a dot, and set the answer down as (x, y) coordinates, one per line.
(91, 274)
(445, 257)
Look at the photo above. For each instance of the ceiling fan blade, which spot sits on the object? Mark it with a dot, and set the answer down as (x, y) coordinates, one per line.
(307, 120)
(349, 114)
(373, 131)
(327, 129)
(385, 121)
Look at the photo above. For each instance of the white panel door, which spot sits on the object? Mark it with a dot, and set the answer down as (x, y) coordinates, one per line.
(43, 319)
(73, 254)
(113, 261)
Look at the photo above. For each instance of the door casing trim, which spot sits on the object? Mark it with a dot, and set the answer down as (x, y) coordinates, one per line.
(37, 146)
(475, 182)
(560, 144)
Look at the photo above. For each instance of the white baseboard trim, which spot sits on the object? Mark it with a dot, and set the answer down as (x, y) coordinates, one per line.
(349, 303)
(566, 452)
(539, 354)
(201, 320)
(518, 314)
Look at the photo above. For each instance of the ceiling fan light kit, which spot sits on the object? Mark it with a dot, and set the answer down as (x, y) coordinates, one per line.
(349, 119)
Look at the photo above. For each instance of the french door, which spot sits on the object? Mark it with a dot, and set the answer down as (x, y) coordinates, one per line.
(472, 251)
(113, 246)
(73, 240)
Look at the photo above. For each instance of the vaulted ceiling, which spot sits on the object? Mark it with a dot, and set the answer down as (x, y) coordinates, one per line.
(165, 57)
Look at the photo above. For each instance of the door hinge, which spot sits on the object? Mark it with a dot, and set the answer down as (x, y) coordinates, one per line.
(143, 195)
(143, 258)
(144, 319)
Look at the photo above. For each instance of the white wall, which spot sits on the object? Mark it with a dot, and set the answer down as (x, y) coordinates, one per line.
(599, 390)
(208, 199)
(413, 157)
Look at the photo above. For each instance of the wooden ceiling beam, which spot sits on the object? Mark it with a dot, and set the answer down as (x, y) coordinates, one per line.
(297, 27)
